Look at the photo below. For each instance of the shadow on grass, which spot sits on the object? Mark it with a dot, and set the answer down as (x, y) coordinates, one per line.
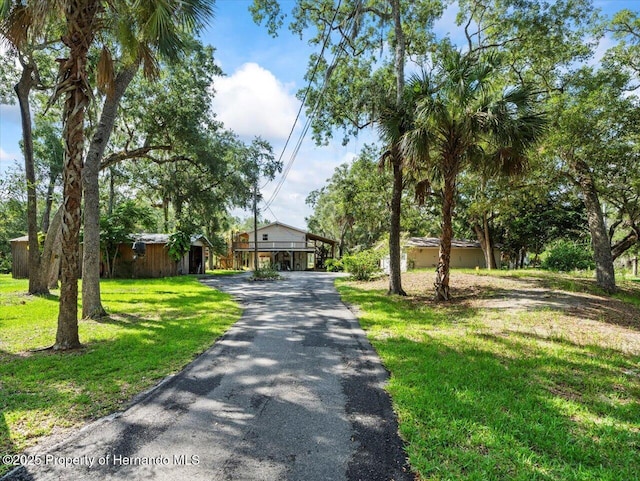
(393, 309)
(122, 355)
(6, 446)
(506, 406)
(503, 408)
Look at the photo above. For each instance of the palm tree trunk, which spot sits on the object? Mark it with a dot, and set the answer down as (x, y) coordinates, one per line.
(22, 89)
(395, 273)
(444, 255)
(91, 301)
(80, 16)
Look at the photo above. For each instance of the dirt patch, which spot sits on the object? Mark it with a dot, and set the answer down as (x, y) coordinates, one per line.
(529, 305)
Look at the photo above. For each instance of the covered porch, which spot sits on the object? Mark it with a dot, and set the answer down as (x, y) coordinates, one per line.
(284, 255)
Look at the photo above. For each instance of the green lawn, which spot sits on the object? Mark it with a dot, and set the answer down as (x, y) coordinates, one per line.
(156, 327)
(495, 395)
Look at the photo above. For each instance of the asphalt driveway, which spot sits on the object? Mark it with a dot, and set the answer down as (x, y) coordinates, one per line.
(293, 391)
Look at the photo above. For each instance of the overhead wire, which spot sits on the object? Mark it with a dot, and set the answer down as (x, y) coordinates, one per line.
(306, 92)
(311, 115)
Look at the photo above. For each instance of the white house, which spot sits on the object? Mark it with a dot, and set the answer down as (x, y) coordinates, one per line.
(282, 246)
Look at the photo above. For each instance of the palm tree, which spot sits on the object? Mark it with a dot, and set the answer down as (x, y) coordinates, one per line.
(84, 21)
(464, 117)
(157, 33)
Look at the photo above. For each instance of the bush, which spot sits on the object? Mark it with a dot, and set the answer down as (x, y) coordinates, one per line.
(362, 266)
(267, 273)
(334, 265)
(566, 256)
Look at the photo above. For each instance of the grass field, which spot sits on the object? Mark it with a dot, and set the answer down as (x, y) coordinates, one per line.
(505, 393)
(156, 327)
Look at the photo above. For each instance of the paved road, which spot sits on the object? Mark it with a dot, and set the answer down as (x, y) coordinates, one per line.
(292, 392)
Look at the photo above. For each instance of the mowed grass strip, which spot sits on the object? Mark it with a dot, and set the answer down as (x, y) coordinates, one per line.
(478, 400)
(155, 328)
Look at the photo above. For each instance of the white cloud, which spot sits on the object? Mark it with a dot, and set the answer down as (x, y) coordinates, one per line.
(604, 44)
(4, 155)
(254, 102)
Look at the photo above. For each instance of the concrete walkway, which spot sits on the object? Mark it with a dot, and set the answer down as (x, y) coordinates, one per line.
(292, 392)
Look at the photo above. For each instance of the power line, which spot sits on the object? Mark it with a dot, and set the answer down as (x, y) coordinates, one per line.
(317, 103)
(306, 92)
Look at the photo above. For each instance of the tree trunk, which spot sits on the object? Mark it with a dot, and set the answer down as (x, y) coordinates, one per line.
(91, 301)
(22, 89)
(444, 255)
(605, 274)
(395, 272)
(489, 255)
(484, 238)
(50, 260)
(46, 215)
(80, 17)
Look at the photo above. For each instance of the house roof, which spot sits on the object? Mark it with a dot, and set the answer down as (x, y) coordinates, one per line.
(143, 237)
(275, 224)
(164, 238)
(435, 242)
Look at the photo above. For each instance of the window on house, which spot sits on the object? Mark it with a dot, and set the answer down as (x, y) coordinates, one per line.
(265, 237)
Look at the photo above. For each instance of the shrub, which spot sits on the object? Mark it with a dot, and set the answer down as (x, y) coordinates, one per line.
(267, 273)
(334, 265)
(362, 266)
(564, 255)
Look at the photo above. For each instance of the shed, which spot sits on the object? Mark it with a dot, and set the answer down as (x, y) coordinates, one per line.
(423, 252)
(156, 261)
(20, 256)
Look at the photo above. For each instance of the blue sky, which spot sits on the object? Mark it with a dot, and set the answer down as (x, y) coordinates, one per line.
(257, 97)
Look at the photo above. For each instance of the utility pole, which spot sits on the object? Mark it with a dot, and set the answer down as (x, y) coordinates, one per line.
(255, 225)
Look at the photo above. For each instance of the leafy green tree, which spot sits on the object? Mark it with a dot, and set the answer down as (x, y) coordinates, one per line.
(83, 21)
(143, 36)
(365, 47)
(463, 116)
(353, 207)
(48, 155)
(117, 228)
(538, 39)
(28, 47)
(625, 26)
(13, 212)
(594, 137)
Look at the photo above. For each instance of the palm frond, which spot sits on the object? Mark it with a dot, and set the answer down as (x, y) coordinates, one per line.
(105, 74)
(423, 191)
(17, 20)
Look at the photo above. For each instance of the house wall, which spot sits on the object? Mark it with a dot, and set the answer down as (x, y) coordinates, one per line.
(20, 263)
(279, 233)
(460, 257)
